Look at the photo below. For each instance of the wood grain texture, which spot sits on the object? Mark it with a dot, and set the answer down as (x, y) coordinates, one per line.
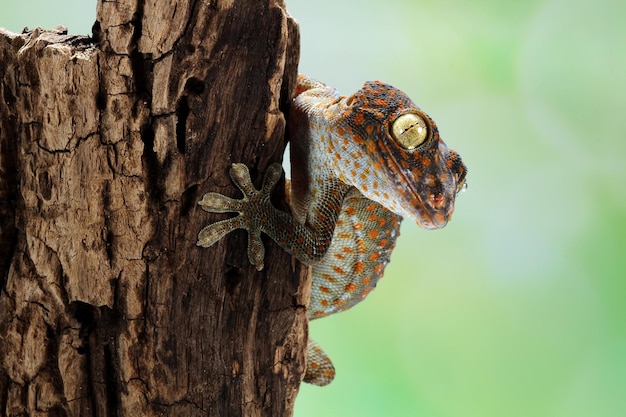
(106, 145)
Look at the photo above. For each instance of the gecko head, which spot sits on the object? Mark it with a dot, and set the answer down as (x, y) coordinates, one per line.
(408, 169)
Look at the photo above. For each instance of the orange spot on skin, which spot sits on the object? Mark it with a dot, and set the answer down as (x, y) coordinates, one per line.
(359, 267)
(338, 302)
(361, 245)
(358, 226)
(426, 161)
(346, 249)
(339, 256)
(338, 270)
(372, 217)
(374, 256)
(350, 287)
(329, 278)
(366, 280)
(324, 303)
(373, 234)
(340, 131)
(381, 102)
(325, 290)
(382, 242)
(350, 210)
(382, 221)
(359, 119)
(378, 269)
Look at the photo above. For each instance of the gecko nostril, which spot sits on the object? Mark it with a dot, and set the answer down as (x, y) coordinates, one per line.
(436, 201)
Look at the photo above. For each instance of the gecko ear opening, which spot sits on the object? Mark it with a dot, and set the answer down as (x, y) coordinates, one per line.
(409, 130)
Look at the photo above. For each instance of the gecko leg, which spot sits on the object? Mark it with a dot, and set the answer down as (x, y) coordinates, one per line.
(250, 208)
(254, 209)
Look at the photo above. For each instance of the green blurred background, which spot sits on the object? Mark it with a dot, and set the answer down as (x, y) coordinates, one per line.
(518, 307)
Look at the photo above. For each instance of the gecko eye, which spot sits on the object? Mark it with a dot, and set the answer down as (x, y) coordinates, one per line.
(409, 130)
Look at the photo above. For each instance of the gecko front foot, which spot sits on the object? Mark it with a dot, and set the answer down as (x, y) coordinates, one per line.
(252, 209)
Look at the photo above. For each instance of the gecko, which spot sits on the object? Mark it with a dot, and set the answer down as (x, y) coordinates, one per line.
(360, 164)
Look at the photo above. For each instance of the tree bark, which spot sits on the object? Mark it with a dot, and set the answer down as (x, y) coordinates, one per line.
(108, 307)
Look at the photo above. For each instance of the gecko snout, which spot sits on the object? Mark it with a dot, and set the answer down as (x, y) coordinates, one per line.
(437, 220)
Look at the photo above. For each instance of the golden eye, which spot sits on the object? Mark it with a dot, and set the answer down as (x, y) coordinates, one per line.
(409, 130)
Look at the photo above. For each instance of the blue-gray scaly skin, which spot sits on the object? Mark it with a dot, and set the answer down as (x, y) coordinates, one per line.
(359, 165)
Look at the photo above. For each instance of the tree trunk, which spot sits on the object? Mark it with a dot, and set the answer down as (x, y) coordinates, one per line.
(108, 307)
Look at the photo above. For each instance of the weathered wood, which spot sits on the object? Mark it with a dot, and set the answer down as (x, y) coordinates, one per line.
(106, 144)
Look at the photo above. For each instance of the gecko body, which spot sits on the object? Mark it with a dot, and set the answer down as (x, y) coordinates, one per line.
(359, 165)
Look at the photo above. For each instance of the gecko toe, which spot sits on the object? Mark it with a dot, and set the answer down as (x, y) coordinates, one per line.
(241, 177)
(218, 203)
(256, 250)
(272, 175)
(215, 231)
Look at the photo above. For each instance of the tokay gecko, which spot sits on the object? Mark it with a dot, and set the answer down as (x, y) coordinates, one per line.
(359, 165)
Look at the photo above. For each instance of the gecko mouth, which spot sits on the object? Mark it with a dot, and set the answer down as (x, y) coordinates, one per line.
(435, 219)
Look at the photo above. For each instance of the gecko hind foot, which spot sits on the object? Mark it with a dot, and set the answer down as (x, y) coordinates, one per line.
(319, 368)
(253, 203)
